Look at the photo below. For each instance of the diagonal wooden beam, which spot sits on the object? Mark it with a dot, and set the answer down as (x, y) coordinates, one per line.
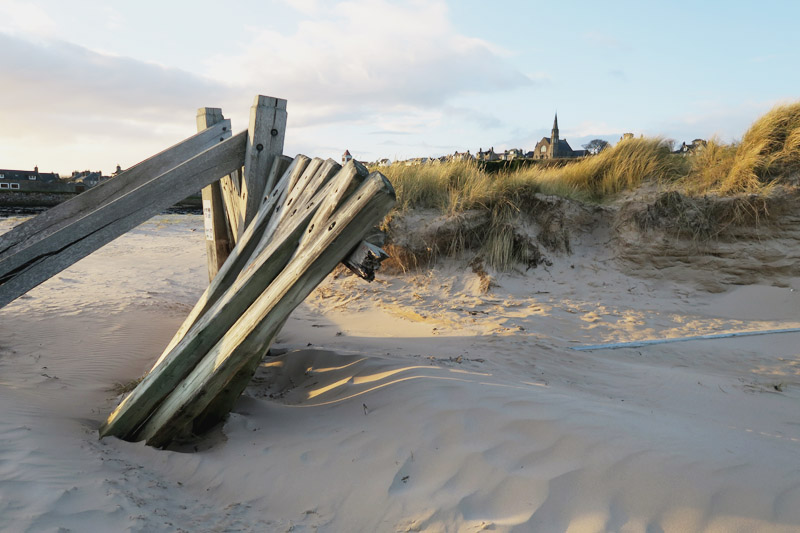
(69, 242)
(43, 225)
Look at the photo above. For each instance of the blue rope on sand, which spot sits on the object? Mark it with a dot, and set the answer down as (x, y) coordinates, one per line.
(637, 344)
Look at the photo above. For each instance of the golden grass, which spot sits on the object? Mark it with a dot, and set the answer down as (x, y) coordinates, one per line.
(458, 186)
(769, 151)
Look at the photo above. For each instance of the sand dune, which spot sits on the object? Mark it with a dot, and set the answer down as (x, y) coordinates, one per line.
(416, 403)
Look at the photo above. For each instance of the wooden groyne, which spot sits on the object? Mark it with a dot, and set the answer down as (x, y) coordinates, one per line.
(275, 227)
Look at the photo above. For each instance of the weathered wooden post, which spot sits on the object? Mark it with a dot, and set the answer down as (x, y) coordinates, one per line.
(218, 234)
(265, 136)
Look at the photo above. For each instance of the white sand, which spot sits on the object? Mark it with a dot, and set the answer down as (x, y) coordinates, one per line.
(419, 405)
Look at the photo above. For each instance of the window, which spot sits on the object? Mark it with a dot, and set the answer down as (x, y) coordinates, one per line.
(3, 185)
(32, 177)
(14, 185)
(2, 176)
(544, 149)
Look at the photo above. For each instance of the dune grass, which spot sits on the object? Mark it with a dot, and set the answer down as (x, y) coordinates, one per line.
(458, 186)
(768, 152)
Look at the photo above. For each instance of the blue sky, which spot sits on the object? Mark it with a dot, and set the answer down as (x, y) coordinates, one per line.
(86, 84)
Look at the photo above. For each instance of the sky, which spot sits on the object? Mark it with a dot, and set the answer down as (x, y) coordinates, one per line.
(89, 85)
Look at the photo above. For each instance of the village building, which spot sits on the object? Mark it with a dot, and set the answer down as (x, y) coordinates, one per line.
(555, 147)
(696, 145)
(346, 156)
(510, 155)
(28, 180)
(88, 178)
(460, 156)
(487, 156)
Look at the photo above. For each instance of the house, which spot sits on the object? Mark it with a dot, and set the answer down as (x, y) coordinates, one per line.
(384, 163)
(346, 156)
(27, 180)
(89, 178)
(487, 156)
(555, 147)
(510, 155)
(695, 146)
(460, 156)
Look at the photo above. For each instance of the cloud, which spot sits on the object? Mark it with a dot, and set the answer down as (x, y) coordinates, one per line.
(367, 57)
(57, 94)
(23, 17)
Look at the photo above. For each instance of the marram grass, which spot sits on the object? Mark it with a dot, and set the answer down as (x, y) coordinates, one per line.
(458, 186)
(768, 153)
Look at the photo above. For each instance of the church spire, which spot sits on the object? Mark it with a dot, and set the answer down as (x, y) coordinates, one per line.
(554, 133)
(554, 151)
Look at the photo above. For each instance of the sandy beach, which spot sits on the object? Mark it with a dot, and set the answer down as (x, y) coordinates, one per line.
(416, 403)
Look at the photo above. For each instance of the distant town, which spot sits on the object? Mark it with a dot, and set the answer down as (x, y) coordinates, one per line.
(553, 147)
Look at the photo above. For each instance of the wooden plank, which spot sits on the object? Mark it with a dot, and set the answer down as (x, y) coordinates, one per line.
(211, 319)
(279, 166)
(231, 187)
(327, 170)
(43, 225)
(364, 264)
(352, 169)
(69, 243)
(241, 255)
(266, 133)
(256, 328)
(219, 237)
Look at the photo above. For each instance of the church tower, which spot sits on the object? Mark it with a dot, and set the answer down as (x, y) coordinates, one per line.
(554, 138)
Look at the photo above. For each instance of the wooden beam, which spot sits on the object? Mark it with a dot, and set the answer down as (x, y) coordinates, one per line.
(256, 328)
(362, 263)
(240, 256)
(219, 237)
(348, 173)
(266, 133)
(42, 226)
(67, 243)
(231, 189)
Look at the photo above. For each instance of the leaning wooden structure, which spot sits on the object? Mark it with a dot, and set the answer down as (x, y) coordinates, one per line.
(275, 228)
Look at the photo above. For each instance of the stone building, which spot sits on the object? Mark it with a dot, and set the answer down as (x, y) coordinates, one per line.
(490, 155)
(555, 147)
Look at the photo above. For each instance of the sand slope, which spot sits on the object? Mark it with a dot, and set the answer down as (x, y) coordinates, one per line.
(416, 403)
